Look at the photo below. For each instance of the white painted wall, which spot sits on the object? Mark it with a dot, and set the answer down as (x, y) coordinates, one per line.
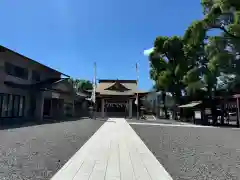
(154, 99)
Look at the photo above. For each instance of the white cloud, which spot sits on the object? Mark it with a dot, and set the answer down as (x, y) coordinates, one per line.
(148, 51)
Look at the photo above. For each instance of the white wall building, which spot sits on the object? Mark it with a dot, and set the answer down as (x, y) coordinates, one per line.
(153, 101)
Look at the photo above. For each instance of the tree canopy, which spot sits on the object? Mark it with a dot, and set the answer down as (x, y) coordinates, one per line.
(81, 85)
(198, 62)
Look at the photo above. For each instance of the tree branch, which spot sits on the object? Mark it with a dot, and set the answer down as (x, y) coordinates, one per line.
(224, 30)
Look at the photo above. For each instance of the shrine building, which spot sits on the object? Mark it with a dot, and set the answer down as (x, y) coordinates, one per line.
(118, 98)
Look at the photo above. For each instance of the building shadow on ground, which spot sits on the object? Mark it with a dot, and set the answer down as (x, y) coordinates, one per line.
(225, 126)
(19, 123)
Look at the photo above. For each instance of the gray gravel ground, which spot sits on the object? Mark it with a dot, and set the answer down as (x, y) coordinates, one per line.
(194, 153)
(38, 152)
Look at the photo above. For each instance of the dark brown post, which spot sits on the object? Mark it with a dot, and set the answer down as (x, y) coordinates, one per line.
(238, 112)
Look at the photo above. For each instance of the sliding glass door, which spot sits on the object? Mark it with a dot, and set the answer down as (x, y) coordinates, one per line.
(11, 105)
(16, 106)
(4, 105)
(21, 106)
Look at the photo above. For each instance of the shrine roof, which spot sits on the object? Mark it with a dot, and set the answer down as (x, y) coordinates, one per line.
(117, 87)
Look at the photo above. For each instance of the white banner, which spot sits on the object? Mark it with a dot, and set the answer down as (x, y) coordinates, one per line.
(55, 95)
(93, 96)
(136, 101)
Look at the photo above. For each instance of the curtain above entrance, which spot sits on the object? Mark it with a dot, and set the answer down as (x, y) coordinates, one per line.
(115, 104)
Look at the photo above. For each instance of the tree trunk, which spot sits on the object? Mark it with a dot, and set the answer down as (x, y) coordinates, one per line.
(223, 112)
(176, 99)
(213, 108)
(214, 113)
(164, 104)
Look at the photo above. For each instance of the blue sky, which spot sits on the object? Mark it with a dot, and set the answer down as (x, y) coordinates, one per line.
(70, 35)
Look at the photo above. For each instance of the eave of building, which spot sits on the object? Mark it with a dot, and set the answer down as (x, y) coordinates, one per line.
(42, 85)
(141, 94)
(135, 93)
(22, 56)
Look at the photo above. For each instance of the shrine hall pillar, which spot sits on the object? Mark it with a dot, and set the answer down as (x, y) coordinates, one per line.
(130, 108)
(102, 108)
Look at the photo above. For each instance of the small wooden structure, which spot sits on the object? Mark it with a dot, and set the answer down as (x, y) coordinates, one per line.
(227, 111)
(230, 104)
(195, 112)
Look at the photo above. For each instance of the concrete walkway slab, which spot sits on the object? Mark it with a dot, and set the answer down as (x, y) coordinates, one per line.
(114, 152)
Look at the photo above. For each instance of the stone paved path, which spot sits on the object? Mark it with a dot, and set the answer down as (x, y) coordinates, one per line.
(114, 152)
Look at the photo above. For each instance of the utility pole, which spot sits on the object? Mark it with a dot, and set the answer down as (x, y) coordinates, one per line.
(137, 103)
(94, 91)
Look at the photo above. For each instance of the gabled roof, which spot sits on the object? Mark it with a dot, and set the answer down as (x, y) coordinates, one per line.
(117, 87)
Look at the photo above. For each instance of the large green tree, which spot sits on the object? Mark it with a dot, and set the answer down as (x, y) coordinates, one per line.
(81, 85)
(217, 57)
(157, 67)
(198, 62)
(217, 54)
(168, 66)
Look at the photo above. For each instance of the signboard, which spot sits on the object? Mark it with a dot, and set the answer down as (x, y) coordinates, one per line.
(197, 114)
(208, 111)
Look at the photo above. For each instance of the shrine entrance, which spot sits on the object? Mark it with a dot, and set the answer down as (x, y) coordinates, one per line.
(116, 109)
(116, 98)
